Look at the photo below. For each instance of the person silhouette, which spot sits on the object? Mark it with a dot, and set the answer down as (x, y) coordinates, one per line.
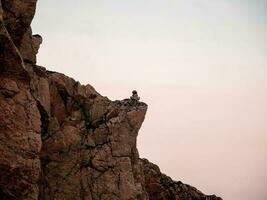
(135, 96)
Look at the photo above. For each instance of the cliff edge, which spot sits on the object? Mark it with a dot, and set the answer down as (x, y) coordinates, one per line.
(60, 140)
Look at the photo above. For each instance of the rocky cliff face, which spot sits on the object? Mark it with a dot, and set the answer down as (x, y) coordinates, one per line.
(61, 140)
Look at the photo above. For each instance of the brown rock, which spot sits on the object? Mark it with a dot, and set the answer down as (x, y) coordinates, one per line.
(18, 15)
(20, 143)
(11, 63)
(29, 46)
(8, 88)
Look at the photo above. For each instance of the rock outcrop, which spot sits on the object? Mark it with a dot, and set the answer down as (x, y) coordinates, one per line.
(61, 140)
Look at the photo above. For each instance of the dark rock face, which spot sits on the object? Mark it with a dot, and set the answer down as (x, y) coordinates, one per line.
(89, 144)
(61, 140)
(20, 132)
(161, 187)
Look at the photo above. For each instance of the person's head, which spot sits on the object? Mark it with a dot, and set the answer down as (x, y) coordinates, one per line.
(134, 92)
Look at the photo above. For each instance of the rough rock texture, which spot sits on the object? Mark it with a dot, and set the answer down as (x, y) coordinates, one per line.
(60, 140)
(20, 125)
(161, 187)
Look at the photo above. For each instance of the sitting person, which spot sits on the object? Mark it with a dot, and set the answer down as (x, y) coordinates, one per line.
(135, 96)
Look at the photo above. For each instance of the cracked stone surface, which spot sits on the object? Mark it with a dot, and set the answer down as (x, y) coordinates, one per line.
(60, 140)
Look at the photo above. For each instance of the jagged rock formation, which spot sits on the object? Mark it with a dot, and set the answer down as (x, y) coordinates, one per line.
(61, 140)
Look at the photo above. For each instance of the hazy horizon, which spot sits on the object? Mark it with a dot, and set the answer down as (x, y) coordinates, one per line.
(199, 65)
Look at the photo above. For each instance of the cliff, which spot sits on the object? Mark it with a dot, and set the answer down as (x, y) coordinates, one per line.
(61, 140)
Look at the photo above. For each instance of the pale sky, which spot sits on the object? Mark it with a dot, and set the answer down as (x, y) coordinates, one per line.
(200, 66)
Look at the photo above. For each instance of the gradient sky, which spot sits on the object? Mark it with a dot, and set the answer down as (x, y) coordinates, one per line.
(200, 65)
